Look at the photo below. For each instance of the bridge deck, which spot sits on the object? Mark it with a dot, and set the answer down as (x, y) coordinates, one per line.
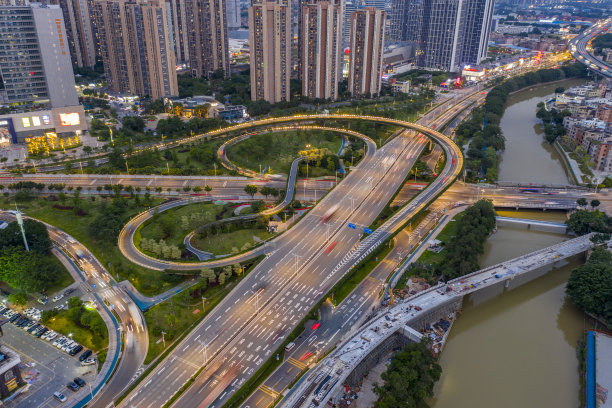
(334, 369)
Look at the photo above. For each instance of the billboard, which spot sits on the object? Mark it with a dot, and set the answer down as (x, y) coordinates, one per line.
(69, 119)
(7, 132)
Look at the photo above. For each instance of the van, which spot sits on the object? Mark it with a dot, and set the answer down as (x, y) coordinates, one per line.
(289, 346)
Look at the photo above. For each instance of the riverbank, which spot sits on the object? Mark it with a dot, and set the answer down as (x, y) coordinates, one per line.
(527, 157)
(534, 325)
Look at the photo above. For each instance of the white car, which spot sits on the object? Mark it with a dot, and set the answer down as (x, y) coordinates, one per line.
(46, 335)
(58, 297)
(57, 342)
(51, 337)
(59, 307)
(89, 361)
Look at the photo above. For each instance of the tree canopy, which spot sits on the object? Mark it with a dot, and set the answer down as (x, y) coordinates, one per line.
(409, 379)
(36, 235)
(583, 222)
(590, 285)
(27, 271)
(464, 249)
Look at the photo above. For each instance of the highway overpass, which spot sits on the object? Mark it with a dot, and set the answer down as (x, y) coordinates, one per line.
(578, 46)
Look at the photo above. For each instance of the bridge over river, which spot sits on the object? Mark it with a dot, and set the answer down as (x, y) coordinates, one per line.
(400, 324)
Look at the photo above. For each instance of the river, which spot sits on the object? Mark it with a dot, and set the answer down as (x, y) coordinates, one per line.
(528, 157)
(518, 349)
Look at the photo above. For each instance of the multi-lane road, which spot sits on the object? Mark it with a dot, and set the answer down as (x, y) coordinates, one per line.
(578, 48)
(308, 261)
(98, 285)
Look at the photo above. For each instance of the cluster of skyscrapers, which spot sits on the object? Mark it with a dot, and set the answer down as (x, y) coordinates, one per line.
(142, 42)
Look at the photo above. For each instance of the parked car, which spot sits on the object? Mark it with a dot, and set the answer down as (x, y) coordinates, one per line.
(41, 332)
(89, 361)
(78, 381)
(76, 350)
(85, 355)
(59, 396)
(72, 386)
(58, 297)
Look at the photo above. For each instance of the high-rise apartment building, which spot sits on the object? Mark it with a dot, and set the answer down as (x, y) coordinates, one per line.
(136, 51)
(233, 14)
(321, 47)
(367, 48)
(177, 25)
(351, 6)
(447, 33)
(207, 37)
(80, 30)
(35, 56)
(270, 39)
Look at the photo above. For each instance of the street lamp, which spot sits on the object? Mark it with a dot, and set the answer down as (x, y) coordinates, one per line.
(203, 304)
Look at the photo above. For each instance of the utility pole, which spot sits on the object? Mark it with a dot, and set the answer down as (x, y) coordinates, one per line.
(203, 304)
(20, 223)
(163, 339)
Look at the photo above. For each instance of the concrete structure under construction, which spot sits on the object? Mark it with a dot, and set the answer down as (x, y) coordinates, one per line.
(394, 326)
(270, 48)
(136, 49)
(321, 43)
(367, 46)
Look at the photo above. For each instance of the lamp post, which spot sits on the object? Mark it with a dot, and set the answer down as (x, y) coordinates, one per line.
(163, 338)
(203, 304)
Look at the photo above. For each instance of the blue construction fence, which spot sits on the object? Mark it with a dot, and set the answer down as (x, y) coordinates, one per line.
(590, 370)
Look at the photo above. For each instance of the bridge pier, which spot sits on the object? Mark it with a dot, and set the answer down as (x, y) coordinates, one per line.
(396, 341)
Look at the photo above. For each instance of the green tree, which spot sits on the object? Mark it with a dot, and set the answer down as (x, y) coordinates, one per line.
(74, 301)
(208, 274)
(251, 189)
(582, 202)
(36, 235)
(208, 189)
(595, 203)
(19, 298)
(590, 285)
(583, 222)
(237, 269)
(410, 378)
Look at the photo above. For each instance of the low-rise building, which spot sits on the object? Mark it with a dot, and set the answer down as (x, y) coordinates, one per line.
(64, 122)
(10, 373)
(401, 86)
(232, 112)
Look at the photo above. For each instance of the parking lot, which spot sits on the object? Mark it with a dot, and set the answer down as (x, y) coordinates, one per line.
(46, 368)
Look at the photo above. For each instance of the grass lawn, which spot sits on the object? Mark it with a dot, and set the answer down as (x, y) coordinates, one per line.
(147, 281)
(444, 236)
(62, 324)
(223, 244)
(172, 227)
(276, 150)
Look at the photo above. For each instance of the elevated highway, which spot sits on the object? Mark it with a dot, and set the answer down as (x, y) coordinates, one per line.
(268, 303)
(347, 364)
(579, 47)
